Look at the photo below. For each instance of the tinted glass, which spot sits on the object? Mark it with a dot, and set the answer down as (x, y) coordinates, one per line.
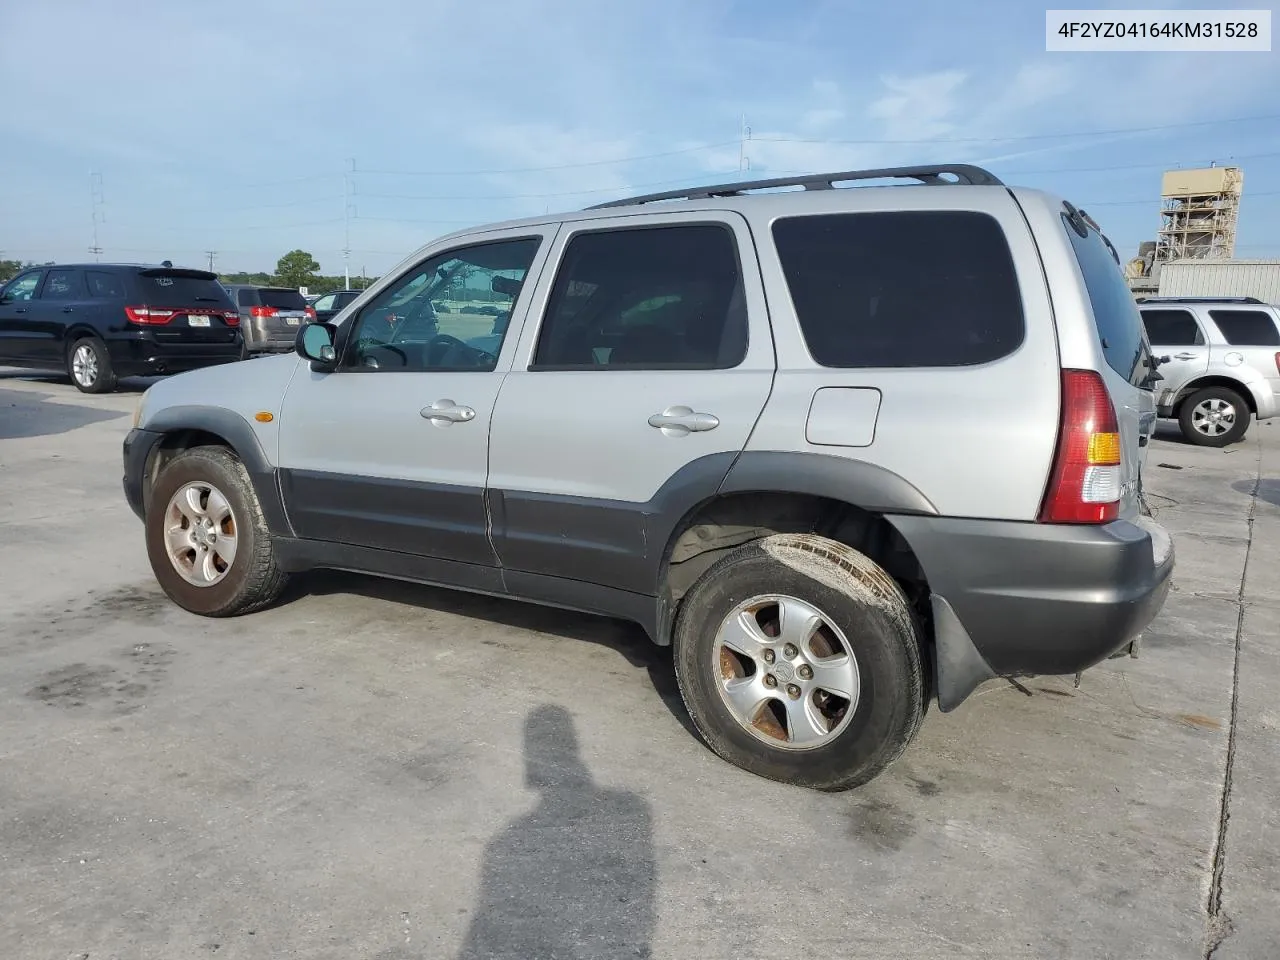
(1115, 314)
(648, 298)
(282, 299)
(905, 289)
(179, 288)
(109, 286)
(60, 284)
(247, 298)
(1247, 328)
(1172, 328)
(23, 287)
(447, 313)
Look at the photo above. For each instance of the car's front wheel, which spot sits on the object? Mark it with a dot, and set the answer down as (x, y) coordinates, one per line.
(798, 660)
(207, 540)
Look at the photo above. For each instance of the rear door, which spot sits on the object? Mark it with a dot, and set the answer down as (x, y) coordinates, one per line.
(1175, 333)
(15, 315)
(1251, 339)
(61, 302)
(646, 361)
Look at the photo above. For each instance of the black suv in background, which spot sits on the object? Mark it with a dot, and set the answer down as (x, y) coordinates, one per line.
(103, 321)
(269, 316)
(328, 306)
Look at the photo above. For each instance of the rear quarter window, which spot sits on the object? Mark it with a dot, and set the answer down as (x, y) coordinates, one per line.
(1246, 328)
(902, 289)
(1115, 314)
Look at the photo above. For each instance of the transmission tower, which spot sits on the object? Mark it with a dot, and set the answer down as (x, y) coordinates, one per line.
(98, 214)
(348, 211)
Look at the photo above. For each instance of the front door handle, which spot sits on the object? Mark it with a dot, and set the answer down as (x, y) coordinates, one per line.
(1186, 356)
(679, 421)
(444, 412)
(20, 310)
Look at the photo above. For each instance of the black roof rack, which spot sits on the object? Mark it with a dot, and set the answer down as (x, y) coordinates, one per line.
(1200, 300)
(959, 173)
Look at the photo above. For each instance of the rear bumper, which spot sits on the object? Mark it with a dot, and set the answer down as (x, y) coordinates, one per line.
(1031, 598)
(143, 355)
(267, 335)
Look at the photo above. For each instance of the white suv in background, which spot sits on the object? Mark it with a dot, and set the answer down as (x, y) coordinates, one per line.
(1220, 363)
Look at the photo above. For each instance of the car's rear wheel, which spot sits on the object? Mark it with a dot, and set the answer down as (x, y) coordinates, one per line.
(89, 366)
(207, 541)
(798, 660)
(1214, 417)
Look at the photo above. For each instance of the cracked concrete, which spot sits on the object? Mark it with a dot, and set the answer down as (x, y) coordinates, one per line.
(376, 770)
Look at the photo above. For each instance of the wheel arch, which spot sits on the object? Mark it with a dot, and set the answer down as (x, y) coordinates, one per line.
(1215, 380)
(80, 330)
(178, 429)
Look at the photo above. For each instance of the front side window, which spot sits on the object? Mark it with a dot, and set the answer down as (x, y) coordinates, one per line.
(448, 313)
(1172, 328)
(325, 303)
(1247, 328)
(932, 288)
(646, 298)
(23, 287)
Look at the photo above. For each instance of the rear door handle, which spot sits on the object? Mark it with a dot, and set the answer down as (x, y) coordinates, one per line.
(446, 411)
(20, 310)
(678, 421)
(1186, 356)
(66, 310)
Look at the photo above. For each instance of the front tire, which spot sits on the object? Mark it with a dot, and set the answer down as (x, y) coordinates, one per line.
(208, 543)
(89, 366)
(1214, 417)
(798, 660)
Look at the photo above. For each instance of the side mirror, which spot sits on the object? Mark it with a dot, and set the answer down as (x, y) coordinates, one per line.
(1161, 361)
(315, 342)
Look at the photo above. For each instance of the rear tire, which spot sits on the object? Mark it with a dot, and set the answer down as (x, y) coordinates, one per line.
(89, 366)
(793, 710)
(208, 543)
(1214, 417)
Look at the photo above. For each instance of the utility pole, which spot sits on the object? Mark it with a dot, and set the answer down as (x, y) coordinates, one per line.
(744, 134)
(212, 254)
(348, 210)
(97, 215)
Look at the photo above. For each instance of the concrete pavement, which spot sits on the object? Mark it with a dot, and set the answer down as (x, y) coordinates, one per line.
(379, 770)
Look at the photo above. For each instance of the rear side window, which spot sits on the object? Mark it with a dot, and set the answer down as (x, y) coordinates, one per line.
(108, 286)
(1114, 311)
(1172, 328)
(1247, 328)
(903, 289)
(283, 299)
(649, 298)
(61, 285)
(180, 288)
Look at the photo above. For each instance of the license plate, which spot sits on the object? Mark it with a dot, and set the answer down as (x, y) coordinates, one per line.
(293, 321)
(194, 321)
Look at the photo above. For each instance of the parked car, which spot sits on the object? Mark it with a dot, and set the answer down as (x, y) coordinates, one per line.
(328, 306)
(1221, 363)
(269, 316)
(103, 321)
(832, 473)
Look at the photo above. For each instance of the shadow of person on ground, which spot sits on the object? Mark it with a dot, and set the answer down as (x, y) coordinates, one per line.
(574, 878)
(628, 639)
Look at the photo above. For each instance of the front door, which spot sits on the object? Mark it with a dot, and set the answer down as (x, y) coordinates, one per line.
(645, 376)
(16, 337)
(390, 450)
(1175, 333)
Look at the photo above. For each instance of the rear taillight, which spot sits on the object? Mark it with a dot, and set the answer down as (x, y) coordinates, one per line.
(149, 316)
(1085, 485)
(311, 312)
(262, 311)
(1278, 363)
(232, 317)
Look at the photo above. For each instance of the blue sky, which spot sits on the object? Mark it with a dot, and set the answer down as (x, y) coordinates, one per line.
(228, 126)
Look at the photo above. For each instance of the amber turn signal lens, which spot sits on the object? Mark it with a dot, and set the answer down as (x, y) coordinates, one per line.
(264, 416)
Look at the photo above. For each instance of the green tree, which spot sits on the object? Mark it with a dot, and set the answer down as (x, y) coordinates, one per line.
(9, 269)
(297, 268)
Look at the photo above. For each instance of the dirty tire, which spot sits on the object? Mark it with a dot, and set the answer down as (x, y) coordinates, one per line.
(1225, 394)
(863, 602)
(103, 378)
(254, 580)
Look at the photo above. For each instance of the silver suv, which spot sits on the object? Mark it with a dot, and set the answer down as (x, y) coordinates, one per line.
(847, 450)
(1220, 363)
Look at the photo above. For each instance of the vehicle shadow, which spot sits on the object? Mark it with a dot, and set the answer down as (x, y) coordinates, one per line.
(25, 414)
(626, 638)
(127, 385)
(1268, 490)
(576, 876)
